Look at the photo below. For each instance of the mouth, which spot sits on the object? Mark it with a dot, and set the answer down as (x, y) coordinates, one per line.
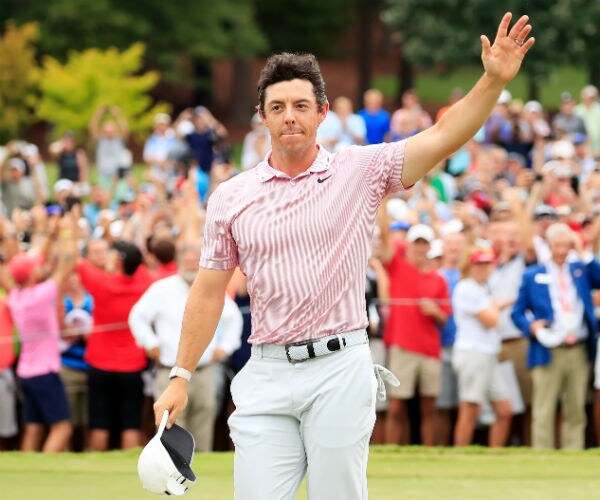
(291, 132)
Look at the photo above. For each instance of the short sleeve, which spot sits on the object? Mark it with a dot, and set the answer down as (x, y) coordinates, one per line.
(219, 249)
(382, 166)
(468, 298)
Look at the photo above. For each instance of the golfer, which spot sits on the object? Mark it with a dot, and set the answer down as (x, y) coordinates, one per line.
(299, 226)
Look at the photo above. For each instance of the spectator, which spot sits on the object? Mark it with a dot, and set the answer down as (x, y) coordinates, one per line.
(8, 388)
(589, 111)
(32, 304)
(111, 152)
(158, 147)
(207, 137)
(18, 191)
(410, 119)
(72, 161)
(476, 349)
(377, 119)
(418, 307)
(160, 309)
(504, 283)
(256, 143)
(329, 132)
(116, 362)
(554, 309)
(453, 247)
(77, 321)
(353, 126)
(566, 122)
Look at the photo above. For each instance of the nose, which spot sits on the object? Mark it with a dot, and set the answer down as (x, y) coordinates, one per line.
(289, 117)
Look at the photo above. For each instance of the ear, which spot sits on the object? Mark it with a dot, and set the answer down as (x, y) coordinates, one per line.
(323, 112)
(262, 115)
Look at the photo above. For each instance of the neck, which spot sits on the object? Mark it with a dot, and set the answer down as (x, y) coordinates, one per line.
(293, 163)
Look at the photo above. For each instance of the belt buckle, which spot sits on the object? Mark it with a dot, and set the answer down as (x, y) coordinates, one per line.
(309, 351)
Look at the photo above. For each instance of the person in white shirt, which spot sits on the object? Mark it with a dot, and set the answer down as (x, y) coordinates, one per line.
(476, 350)
(155, 322)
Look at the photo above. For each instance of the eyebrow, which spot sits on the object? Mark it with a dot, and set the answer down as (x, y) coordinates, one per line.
(297, 101)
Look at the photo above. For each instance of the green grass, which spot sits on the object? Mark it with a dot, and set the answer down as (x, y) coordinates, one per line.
(394, 473)
(434, 87)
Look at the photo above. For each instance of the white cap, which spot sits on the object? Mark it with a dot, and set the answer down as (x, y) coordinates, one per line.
(563, 149)
(549, 337)
(532, 107)
(436, 250)
(63, 185)
(505, 97)
(452, 226)
(164, 464)
(420, 231)
(185, 127)
(17, 163)
(397, 209)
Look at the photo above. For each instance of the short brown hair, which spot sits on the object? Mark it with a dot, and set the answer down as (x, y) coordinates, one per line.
(284, 67)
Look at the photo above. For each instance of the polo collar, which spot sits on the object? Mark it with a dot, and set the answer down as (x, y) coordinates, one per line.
(321, 164)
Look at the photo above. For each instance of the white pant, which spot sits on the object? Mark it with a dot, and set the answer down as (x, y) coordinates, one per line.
(314, 417)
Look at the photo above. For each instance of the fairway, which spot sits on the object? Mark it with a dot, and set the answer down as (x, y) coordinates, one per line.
(394, 473)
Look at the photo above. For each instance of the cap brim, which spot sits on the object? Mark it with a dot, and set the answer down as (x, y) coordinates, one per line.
(180, 445)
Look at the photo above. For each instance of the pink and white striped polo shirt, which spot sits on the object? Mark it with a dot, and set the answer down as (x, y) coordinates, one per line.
(303, 242)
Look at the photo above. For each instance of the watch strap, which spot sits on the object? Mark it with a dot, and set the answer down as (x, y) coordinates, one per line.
(177, 371)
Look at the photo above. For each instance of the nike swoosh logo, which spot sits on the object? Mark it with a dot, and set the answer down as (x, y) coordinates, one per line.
(323, 179)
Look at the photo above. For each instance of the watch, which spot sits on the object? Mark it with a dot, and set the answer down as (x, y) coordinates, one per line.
(176, 371)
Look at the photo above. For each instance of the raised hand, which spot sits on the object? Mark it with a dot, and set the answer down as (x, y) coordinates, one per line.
(503, 59)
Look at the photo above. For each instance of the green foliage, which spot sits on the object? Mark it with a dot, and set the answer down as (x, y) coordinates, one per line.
(174, 32)
(71, 92)
(446, 33)
(304, 25)
(19, 75)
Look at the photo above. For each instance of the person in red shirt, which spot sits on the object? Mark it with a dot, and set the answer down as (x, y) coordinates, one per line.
(116, 361)
(419, 305)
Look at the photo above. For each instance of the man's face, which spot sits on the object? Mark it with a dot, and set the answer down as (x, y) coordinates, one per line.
(560, 246)
(188, 265)
(292, 116)
(97, 253)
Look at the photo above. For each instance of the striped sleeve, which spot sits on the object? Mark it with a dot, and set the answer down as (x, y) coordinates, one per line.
(219, 249)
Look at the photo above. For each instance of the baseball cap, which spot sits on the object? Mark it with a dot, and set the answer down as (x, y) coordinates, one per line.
(566, 97)
(399, 225)
(544, 211)
(533, 107)
(589, 91)
(164, 464)
(63, 185)
(481, 256)
(162, 118)
(505, 97)
(17, 163)
(579, 138)
(22, 265)
(563, 149)
(436, 250)
(420, 231)
(550, 337)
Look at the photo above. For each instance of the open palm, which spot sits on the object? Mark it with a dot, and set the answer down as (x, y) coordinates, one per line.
(503, 59)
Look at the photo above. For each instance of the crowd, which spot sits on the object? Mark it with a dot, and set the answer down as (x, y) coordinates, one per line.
(480, 291)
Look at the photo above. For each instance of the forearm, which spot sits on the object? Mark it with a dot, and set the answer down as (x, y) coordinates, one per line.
(200, 321)
(457, 126)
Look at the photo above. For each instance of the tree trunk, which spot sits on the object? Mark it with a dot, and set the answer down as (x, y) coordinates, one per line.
(241, 94)
(203, 83)
(594, 72)
(406, 76)
(364, 44)
(533, 91)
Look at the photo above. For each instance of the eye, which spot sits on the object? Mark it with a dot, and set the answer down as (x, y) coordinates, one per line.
(276, 107)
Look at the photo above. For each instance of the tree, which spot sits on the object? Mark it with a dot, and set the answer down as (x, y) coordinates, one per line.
(19, 76)
(445, 34)
(304, 25)
(71, 92)
(180, 36)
